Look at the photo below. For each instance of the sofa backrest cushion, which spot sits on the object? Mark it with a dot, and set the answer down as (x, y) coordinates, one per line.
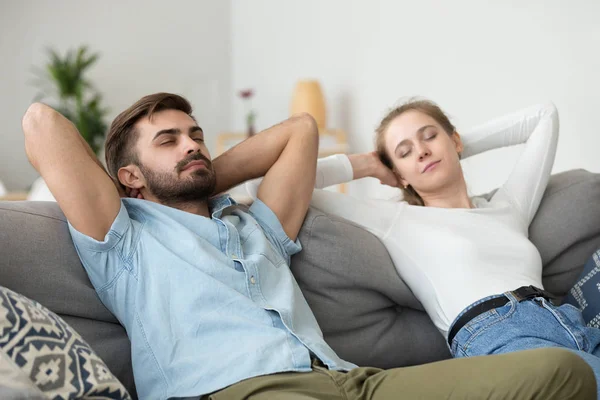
(367, 313)
(370, 316)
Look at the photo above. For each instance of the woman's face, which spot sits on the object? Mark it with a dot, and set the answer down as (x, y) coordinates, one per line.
(424, 155)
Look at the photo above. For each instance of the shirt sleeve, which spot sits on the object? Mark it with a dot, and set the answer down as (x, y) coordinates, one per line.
(332, 170)
(535, 126)
(273, 229)
(105, 260)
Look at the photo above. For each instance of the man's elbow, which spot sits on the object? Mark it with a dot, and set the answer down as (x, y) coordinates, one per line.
(307, 127)
(35, 118)
(307, 121)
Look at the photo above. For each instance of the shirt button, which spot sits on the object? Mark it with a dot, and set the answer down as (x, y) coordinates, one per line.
(233, 256)
(252, 280)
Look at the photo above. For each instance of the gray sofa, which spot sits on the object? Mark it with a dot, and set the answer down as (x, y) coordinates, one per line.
(367, 313)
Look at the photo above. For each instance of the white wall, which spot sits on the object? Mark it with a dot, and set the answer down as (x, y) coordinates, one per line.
(176, 46)
(476, 59)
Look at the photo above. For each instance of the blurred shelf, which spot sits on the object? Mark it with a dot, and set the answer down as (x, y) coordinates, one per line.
(14, 196)
(331, 141)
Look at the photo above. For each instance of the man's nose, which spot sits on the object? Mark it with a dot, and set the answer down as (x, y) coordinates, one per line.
(191, 146)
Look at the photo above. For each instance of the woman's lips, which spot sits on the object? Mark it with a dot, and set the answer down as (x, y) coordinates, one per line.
(430, 166)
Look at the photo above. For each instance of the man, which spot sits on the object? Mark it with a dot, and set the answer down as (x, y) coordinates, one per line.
(202, 285)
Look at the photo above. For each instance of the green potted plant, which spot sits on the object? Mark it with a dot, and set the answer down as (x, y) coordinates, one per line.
(63, 79)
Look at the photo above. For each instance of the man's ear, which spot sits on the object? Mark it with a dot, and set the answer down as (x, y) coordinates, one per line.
(130, 176)
(458, 144)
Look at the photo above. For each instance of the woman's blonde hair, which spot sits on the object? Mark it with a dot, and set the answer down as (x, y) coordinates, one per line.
(427, 107)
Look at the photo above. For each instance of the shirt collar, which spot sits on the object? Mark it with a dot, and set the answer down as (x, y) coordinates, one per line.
(218, 203)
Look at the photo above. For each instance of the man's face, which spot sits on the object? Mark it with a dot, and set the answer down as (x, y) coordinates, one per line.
(174, 160)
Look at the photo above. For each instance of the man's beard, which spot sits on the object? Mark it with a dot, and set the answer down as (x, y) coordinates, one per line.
(171, 190)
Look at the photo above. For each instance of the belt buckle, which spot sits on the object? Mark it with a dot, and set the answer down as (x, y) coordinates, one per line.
(530, 292)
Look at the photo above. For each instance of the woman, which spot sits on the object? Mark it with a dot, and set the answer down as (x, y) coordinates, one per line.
(468, 260)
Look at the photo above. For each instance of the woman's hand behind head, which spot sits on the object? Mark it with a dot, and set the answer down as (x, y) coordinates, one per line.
(369, 165)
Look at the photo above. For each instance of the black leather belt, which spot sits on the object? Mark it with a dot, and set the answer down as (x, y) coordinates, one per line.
(522, 293)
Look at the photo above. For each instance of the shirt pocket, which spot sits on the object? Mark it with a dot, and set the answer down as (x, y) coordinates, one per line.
(256, 242)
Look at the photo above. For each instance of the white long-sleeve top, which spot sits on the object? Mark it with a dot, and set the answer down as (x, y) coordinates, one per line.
(452, 257)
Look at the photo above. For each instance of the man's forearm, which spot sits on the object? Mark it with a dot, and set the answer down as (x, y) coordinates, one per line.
(95, 158)
(91, 153)
(254, 156)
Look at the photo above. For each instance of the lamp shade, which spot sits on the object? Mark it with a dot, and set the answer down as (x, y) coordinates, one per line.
(308, 98)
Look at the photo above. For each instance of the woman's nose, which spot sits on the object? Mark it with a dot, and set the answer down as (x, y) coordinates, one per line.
(423, 152)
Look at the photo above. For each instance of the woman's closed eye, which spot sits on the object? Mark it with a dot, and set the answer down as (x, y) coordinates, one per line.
(431, 136)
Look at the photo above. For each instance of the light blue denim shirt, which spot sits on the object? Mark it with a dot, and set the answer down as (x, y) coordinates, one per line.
(206, 302)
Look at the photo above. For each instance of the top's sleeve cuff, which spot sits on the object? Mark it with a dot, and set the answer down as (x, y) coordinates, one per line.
(269, 220)
(112, 237)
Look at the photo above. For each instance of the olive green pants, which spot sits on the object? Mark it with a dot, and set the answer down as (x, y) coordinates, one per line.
(542, 374)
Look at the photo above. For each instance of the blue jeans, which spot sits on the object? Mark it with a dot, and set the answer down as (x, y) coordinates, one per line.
(585, 294)
(528, 324)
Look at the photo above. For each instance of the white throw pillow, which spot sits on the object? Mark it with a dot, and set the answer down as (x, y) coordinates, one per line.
(40, 192)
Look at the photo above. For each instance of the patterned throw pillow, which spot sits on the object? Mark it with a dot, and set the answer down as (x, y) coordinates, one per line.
(585, 293)
(15, 384)
(51, 353)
